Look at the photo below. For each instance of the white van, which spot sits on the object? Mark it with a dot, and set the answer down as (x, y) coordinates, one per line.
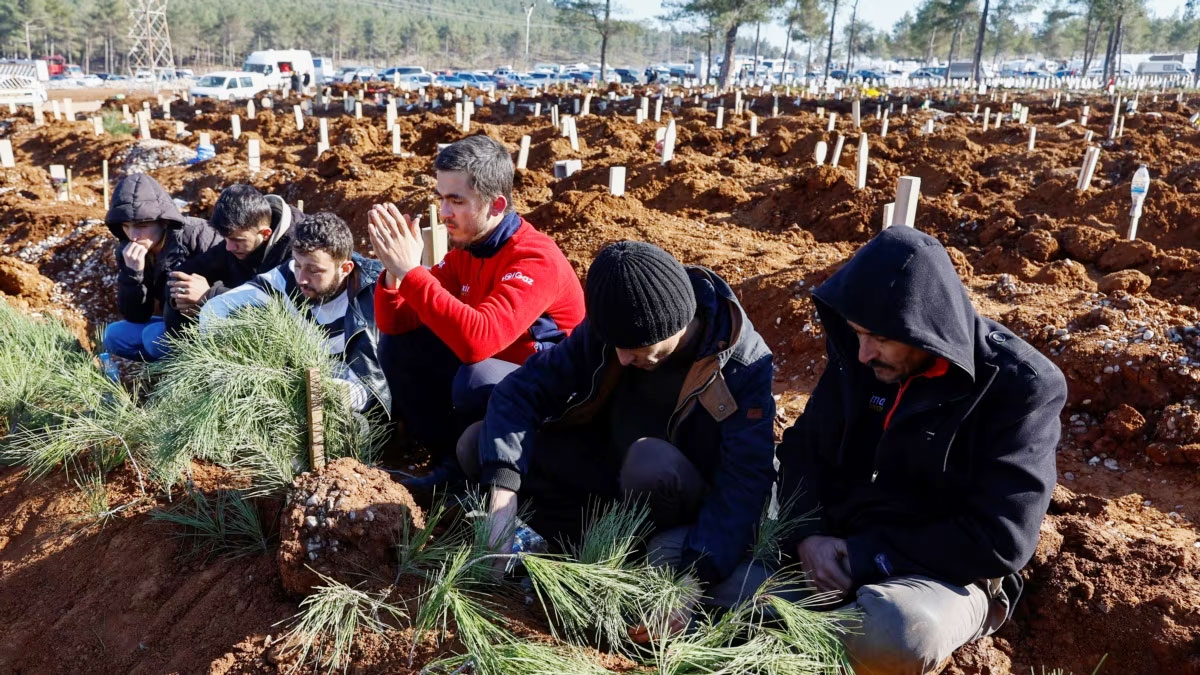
(1161, 68)
(229, 85)
(277, 65)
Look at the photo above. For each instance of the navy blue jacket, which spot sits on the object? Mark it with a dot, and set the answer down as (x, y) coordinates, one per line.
(958, 483)
(723, 421)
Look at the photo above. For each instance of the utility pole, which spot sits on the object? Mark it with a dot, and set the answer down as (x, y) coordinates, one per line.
(528, 14)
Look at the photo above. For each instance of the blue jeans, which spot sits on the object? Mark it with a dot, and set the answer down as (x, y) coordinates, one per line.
(137, 340)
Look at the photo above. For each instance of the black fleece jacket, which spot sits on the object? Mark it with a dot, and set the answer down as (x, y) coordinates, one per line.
(957, 484)
(138, 197)
(224, 271)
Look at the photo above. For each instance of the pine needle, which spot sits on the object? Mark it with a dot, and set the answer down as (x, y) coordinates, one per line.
(226, 524)
(325, 629)
(235, 394)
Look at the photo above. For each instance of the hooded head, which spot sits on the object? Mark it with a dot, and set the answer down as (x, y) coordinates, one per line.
(901, 287)
(139, 199)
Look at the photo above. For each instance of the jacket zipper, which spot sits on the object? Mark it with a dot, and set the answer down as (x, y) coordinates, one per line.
(886, 422)
(591, 392)
(672, 422)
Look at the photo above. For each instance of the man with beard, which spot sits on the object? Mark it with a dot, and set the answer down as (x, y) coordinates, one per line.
(449, 334)
(258, 231)
(925, 455)
(332, 286)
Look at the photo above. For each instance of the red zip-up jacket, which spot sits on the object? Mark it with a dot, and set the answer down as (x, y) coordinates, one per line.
(506, 297)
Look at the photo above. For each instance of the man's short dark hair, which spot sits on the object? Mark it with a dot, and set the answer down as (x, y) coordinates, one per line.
(324, 231)
(240, 207)
(486, 162)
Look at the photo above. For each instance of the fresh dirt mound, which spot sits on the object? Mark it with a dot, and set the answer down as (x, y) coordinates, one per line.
(343, 522)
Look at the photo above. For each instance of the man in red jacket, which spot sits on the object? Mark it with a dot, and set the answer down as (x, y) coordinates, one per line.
(449, 334)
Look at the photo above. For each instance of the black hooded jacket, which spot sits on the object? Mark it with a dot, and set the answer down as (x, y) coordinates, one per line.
(956, 482)
(224, 271)
(138, 197)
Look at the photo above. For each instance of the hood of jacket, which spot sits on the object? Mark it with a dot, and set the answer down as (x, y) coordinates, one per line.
(139, 197)
(901, 285)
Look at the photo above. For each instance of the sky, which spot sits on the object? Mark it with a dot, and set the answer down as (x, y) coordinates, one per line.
(882, 14)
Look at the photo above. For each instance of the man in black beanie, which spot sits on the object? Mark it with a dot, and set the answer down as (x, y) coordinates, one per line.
(663, 392)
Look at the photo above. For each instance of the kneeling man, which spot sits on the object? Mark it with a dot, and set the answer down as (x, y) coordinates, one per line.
(663, 392)
(927, 451)
(333, 286)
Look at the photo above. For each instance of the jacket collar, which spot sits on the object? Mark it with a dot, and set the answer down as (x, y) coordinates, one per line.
(497, 238)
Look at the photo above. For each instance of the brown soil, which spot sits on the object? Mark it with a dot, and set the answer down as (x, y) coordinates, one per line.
(1117, 569)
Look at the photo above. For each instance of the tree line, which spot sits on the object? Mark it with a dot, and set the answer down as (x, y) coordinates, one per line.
(820, 34)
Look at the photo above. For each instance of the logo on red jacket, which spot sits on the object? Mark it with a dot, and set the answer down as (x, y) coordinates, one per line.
(518, 276)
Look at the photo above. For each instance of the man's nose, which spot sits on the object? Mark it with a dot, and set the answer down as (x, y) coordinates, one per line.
(444, 210)
(867, 352)
(625, 357)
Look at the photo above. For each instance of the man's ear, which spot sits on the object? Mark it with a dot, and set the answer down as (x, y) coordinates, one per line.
(499, 205)
(265, 232)
(347, 267)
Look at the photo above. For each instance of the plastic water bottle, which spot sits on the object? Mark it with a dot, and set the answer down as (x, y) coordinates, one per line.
(1137, 189)
(525, 540)
(109, 367)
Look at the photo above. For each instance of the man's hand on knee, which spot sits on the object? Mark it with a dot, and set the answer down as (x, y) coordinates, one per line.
(826, 561)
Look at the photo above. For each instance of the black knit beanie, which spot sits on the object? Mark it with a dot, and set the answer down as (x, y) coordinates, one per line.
(638, 294)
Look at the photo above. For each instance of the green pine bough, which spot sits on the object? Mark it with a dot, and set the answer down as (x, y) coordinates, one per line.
(234, 394)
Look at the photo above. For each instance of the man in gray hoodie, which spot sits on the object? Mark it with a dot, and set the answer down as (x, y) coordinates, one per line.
(153, 239)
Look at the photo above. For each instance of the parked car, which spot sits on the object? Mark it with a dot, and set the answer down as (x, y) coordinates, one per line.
(399, 71)
(414, 81)
(91, 81)
(450, 80)
(229, 85)
(143, 76)
(353, 74)
(929, 73)
(476, 80)
(870, 74)
(627, 75)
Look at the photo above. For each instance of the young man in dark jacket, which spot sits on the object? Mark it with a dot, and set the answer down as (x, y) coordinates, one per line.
(258, 231)
(153, 239)
(927, 451)
(333, 286)
(663, 391)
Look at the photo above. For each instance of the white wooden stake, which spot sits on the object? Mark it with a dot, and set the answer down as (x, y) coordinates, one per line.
(69, 109)
(658, 109)
(104, 179)
(832, 122)
(616, 181)
(97, 126)
(837, 150)
(235, 126)
(753, 125)
(252, 154)
(856, 113)
(908, 191)
(987, 117)
(889, 213)
(324, 137)
(1088, 169)
(6, 154)
(396, 150)
(358, 110)
(573, 135)
(721, 117)
(668, 150)
(144, 124)
(299, 117)
(883, 129)
(1032, 137)
(250, 110)
(862, 161)
(523, 153)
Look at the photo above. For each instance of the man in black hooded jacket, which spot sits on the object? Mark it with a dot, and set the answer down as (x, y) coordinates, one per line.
(258, 231)
(153, 239)
(927, 451)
